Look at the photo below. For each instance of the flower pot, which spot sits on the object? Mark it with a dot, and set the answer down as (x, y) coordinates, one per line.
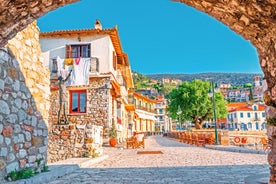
(112, 142)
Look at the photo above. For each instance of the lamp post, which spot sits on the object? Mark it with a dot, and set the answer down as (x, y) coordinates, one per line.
(178, 113)
(212, 94)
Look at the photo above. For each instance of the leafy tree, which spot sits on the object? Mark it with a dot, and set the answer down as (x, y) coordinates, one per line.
(250, 86)
(195, 104)
(140, 80)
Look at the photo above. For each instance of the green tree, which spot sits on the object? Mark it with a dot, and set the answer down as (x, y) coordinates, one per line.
(250, 86)
(194, 102)
(140, 80)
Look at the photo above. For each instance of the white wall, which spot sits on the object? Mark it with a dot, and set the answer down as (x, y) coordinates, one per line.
(245, 119)
(101, 47)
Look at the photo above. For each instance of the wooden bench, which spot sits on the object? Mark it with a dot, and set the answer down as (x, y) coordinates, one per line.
(264, 143)
(136, 141)
(140, 140)
(131, 142)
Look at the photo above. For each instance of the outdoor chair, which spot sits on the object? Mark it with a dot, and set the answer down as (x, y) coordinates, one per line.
(189, 138)
(131, 142)
(209, 139)
(140, 140)
(184, 137)
(264, 143)
(201, 139)
(194, 138)
(181, 137)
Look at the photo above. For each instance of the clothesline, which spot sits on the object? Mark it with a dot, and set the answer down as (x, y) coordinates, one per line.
(80, 70)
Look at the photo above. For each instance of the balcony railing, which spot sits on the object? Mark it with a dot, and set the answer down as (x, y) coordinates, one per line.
(256, 119)
(145, 109)
(121, 80)
(94, 66)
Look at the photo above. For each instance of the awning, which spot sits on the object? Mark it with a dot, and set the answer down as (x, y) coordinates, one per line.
(145, 116)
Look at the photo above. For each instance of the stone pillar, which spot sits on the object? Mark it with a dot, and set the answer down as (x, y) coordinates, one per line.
(267, 56)
(271, 133)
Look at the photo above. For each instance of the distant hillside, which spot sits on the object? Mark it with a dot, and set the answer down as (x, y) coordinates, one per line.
(236, 79)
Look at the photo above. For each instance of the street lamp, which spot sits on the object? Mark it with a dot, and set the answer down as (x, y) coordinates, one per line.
(212, 94)
(178, 113)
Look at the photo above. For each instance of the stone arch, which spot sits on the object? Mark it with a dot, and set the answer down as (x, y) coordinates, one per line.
(17, 15)
(254, 20)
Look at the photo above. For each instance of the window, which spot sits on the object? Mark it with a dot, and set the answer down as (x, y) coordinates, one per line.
(257, 126)
(78, 101)
(263, 114)
(160, 111)
(248, 115)
(241, 114)
(256, 116)
(249, 125)
(54, 66)
(77, 51)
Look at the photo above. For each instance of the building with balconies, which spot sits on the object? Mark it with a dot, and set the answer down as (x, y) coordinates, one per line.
(162, 121)
(98, 86)
(144, 113)
(244, 116)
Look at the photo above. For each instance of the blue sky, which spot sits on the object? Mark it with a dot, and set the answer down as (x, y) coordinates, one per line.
(161, 36)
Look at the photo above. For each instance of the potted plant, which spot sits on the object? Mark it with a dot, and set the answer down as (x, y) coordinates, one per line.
(112, 135)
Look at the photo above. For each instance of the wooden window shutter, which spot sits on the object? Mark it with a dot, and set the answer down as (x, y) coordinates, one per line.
(89, 50)
(68, 51)
(114, 61)
(70, 101)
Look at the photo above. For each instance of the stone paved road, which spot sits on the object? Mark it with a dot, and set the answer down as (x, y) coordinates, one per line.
(179, 163)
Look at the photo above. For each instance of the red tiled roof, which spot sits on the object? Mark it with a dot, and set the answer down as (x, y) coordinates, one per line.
(243, 106)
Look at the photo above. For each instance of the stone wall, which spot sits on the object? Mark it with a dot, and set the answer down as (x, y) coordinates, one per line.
(16, 15)
(24, 104)
(85, 131)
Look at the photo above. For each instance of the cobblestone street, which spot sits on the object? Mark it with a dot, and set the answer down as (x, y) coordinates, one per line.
(179, 163)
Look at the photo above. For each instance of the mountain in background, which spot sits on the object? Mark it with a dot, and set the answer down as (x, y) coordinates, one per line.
(235, 79)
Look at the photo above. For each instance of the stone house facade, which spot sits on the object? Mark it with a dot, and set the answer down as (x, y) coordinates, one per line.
(96, 98)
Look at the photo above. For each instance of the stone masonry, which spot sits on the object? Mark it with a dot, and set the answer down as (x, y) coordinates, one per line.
(16, 15)
(84, 132)
(254, 20)
(24, 103)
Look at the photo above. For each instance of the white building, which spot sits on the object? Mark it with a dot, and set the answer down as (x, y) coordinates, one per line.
(106, 68)
(162, 121)
(242, 116)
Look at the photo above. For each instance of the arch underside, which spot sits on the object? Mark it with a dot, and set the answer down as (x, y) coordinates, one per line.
(254, 20)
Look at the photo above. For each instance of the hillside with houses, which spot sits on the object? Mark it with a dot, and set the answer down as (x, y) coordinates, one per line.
(235, 79)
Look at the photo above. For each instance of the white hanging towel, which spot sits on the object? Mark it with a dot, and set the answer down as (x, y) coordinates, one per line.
(62, 71)
(80, 74)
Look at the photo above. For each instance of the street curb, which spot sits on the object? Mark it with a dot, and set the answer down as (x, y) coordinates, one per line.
(59, 169)
(236, 149)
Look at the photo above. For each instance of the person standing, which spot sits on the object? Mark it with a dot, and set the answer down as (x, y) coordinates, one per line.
(63, 98)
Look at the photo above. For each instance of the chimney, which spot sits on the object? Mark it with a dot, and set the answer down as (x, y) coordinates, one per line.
(98, 25)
